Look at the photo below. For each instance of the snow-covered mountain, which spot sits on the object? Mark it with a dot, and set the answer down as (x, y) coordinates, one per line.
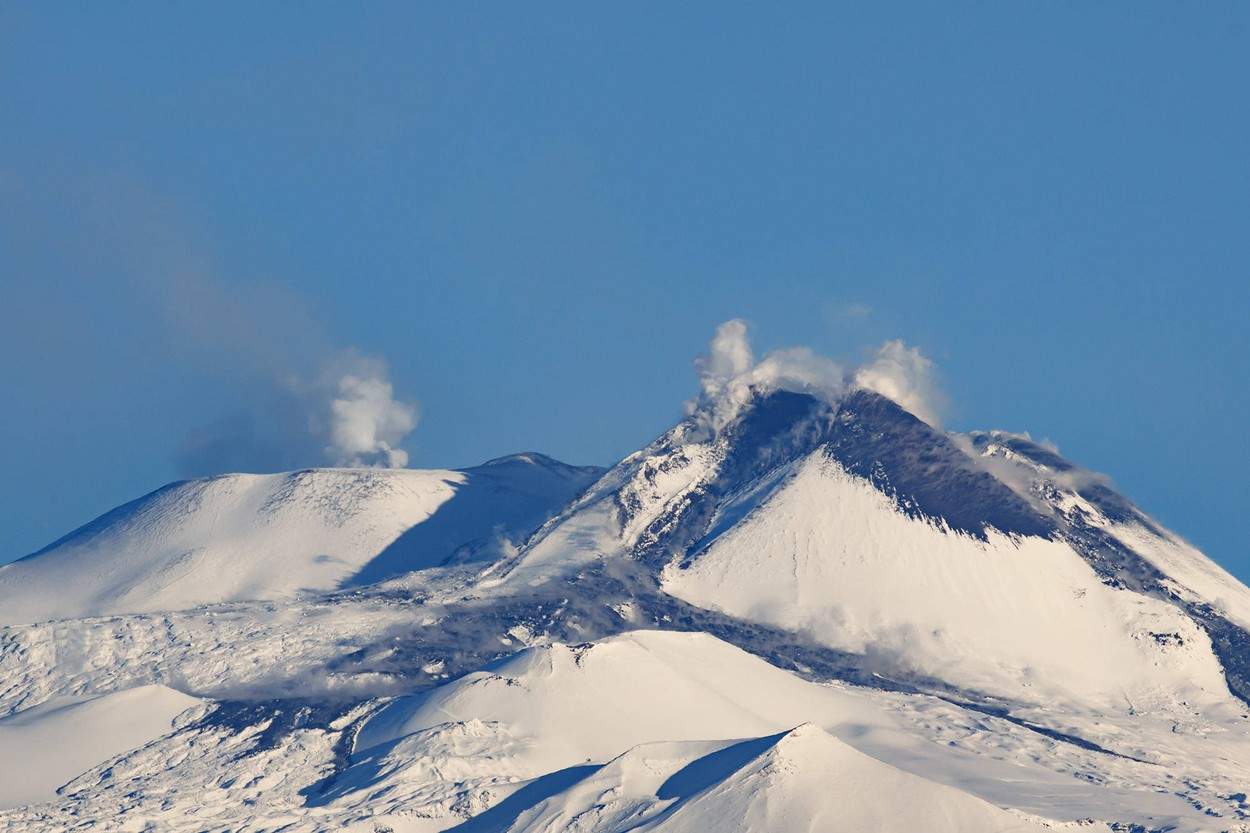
(810, 611)
(271, 536)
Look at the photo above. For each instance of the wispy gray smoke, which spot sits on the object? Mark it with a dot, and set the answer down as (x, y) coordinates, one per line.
(309, 400)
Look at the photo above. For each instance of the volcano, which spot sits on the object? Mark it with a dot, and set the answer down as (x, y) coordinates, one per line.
(804, 612)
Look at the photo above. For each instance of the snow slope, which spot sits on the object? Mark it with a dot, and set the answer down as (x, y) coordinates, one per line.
(597, 700)
(1025, 617)
(556, 714)
(44, 747)
(244, 536)
(1041, 475)
(792, 782)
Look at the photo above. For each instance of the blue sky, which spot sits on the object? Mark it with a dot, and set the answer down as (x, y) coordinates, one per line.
(537, 217)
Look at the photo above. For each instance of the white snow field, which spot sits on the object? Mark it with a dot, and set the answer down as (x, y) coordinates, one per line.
(798, 613)
(46, 746)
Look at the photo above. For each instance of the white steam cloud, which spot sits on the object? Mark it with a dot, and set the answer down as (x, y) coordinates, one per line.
(729, 376)
(729, 357)
(367, 423)
(905, 375)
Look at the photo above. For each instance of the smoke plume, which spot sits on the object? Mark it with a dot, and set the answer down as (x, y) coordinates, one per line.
(366, 422)
(729, 376)
(301, 398)
(905, 375)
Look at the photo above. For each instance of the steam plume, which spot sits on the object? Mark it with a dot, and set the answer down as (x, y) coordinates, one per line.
(729, 375)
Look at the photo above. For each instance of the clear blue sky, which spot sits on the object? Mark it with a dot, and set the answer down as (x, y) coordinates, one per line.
(538, 215)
